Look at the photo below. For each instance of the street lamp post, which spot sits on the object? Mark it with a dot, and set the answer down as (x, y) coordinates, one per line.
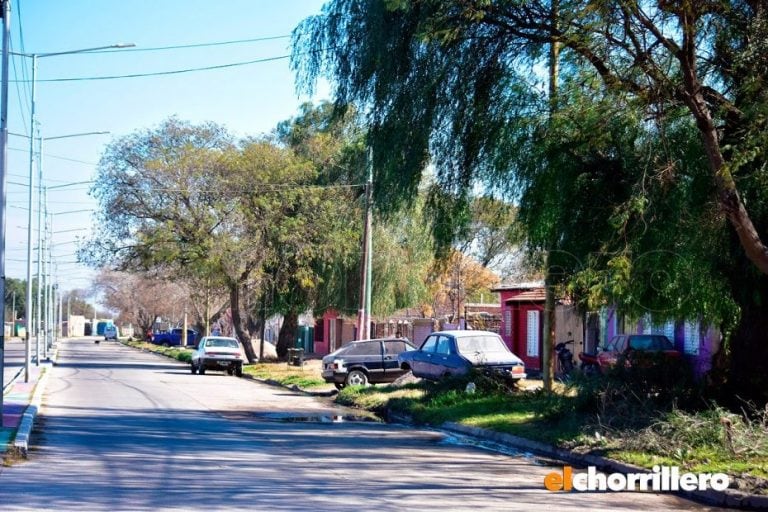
(6, 13)
(40, 202)
(33, 124)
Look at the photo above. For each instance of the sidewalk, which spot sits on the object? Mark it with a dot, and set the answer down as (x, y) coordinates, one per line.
(20, 406)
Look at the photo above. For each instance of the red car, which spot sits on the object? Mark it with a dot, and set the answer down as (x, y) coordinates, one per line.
(624, 345)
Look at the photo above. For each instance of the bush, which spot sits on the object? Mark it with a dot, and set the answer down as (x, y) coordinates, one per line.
(485, 382)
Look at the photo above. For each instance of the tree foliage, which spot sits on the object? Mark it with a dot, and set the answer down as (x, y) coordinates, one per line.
(189, 202)
(646, 184)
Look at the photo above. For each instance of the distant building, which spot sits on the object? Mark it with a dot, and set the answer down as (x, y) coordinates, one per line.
(74, 326)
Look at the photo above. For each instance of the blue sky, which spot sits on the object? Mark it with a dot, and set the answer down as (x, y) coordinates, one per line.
(248, 100)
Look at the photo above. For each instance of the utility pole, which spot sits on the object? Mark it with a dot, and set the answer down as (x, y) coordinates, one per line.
(263, 324)
(6, 13)
(548, 326)
(28, 313)
(40, 252)
(364, 314)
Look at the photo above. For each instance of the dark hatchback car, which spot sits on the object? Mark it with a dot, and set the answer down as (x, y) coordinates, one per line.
(452, 353)
(362, 362)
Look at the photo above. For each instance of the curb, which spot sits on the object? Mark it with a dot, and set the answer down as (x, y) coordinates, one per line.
(728, 498)
(21, 442)
(20, 446)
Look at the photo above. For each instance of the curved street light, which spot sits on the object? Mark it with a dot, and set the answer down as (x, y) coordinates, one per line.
(33, 126)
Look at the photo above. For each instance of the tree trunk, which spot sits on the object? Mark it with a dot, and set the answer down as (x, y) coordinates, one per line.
(727, 193)
(287, 336)
(747, 377)
(242, 335)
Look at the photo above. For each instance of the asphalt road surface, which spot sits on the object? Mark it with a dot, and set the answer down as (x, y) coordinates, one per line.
(126, 430)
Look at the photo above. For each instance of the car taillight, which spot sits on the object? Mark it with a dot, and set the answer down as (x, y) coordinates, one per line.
(338, 364)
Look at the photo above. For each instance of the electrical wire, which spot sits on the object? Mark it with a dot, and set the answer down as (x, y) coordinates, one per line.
(23, 107)
(192, 45)
(58, 157)
(27, 91)
(166, 73)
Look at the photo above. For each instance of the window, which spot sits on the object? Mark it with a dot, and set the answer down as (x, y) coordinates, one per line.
(480, 344)
(507, 323)
(692, 338)
(332, 333)
(444, 346)
(222, 342)
(430, 344)
(396, 347)
(364, 349)
(532, 349)
(667, 328)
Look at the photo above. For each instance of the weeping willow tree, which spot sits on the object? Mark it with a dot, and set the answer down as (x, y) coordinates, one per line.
(648, 185)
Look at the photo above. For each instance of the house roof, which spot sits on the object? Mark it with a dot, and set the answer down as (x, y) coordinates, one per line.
(519, 286)
(536, 295)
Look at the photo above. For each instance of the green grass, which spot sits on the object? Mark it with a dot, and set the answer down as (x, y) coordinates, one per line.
(690, 440)
(285, 375)
(180, 354)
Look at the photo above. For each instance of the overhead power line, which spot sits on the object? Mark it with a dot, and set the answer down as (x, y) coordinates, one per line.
(164, 73)
(193, 45)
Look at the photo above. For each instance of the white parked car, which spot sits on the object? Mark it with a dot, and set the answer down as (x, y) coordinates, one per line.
(218, 353)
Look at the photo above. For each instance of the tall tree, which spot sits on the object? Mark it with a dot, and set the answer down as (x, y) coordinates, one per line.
(334, 141)
(455, 84)
(15, 298)
(169, 204)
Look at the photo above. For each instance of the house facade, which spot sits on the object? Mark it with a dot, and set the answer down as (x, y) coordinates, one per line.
(522, 321)
(522, 310)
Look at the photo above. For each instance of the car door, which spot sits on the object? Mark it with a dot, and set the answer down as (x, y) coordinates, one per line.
(613, 349)
(446, 361)
(368, 355)
(422, 358)
(392, 349)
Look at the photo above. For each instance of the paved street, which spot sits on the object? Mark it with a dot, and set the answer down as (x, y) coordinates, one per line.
(126, 430)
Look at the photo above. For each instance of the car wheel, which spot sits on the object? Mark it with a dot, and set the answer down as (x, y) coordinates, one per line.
(357, 378)
(201, 369)
(230, 371)
(339, 385)
(194, 368)
(239, 371)
(166, 344)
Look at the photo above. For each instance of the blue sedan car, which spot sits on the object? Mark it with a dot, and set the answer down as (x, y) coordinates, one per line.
(451, 353)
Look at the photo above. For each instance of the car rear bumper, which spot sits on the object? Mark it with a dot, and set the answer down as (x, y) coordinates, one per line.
(512, 372)
(336, 377)
(220, 363)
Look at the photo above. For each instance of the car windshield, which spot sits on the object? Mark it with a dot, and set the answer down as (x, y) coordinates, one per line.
(221, 342)
(473, 344)
(650, 342)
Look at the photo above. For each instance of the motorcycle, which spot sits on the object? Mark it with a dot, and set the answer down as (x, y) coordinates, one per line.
(564, 357)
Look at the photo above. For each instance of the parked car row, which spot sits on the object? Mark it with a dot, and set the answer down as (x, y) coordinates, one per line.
(443, 354)
(362, 362)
